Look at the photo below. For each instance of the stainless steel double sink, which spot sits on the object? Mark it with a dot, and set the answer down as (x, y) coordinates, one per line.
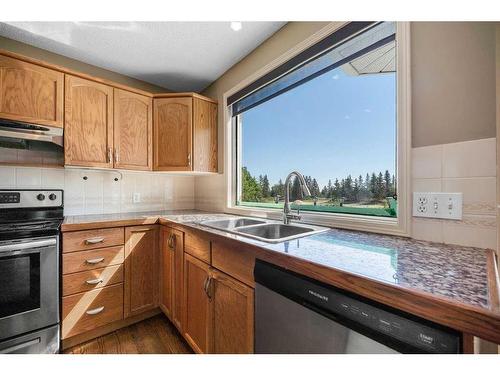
(263, 230)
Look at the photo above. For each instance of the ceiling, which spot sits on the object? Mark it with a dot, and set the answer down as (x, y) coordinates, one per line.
(180, 56)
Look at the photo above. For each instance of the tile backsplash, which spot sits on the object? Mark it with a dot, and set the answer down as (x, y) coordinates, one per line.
(466, 167)
(98, 192)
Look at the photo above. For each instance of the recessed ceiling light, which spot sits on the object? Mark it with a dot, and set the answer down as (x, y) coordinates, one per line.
(236, 26)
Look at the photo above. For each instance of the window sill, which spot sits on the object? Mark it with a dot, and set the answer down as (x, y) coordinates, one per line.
(384, 225)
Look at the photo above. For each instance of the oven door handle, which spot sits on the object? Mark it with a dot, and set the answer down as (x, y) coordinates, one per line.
(31, 245)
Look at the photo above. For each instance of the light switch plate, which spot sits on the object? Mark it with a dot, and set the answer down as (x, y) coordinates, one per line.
(438, 205)
(136, 198)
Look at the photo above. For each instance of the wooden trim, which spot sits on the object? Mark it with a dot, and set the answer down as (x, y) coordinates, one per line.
(467, 343)
(184, 94)
(72, 227)
(101, 331)
(108, 82)
(493, 281)
(65, 70)
(30, 165)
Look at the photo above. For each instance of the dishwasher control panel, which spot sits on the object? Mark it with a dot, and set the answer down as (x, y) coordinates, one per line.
(383, 323)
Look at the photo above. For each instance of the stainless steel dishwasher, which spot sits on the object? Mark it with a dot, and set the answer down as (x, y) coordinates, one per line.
(296, 314)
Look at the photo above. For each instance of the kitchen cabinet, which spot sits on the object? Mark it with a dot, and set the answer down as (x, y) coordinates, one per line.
(171, 280)
(173, 121)
(218, 310)
(133, 131)
(185, 134)
(141, 269)
(233, 317)
(88, 124)
(198, 307)
(204, 136)
(30, 93)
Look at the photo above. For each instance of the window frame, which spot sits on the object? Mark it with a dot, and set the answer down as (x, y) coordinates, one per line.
(395, 226)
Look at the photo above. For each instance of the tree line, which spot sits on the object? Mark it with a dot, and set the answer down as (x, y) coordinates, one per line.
(372, 187)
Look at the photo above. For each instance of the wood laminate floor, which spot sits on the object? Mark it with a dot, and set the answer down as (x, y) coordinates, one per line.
(155, 335)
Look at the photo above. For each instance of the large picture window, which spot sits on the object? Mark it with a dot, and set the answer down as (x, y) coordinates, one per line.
(332, 117)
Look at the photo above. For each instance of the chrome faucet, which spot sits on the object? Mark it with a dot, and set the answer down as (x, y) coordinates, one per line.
(287, 212)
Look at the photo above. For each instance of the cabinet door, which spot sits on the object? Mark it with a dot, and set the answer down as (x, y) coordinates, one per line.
(30, 93)
(167, 251)
(178, 284)
(141, 269)
(133, 130)
(173, 122)
(204, 135)
(88, 123)
(233, 309)
(197, 312)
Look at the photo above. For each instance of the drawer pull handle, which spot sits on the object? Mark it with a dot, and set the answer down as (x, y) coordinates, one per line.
(94, 261)
(94, 281)
(95, 311)
(93, 241)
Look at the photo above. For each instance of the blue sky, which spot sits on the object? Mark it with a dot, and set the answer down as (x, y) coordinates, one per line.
(330, 127)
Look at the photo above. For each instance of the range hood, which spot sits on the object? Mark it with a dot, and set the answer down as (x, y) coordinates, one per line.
(18, 134)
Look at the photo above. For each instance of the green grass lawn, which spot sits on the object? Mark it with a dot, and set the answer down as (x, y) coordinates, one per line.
(346, 209)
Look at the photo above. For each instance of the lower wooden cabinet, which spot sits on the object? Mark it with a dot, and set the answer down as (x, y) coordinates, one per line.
(141, 269)
(218, 310)
(198, 307)
(171, 279)
(83, 312)
(233, 315)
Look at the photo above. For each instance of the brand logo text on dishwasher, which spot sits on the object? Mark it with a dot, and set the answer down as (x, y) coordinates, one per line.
(317, 295)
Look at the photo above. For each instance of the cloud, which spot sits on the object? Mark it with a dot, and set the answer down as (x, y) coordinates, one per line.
(335, 76)
(367, 110)
(347, 117)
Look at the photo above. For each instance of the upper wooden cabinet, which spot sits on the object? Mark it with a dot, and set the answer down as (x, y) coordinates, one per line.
(204, 136)
(133, 131)
(185, 134)
(88, 126)
(30, 93)
(141, 269)
(173, 127)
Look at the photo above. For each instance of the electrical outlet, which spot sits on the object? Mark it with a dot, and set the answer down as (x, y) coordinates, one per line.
(136, 198)
(438, 205)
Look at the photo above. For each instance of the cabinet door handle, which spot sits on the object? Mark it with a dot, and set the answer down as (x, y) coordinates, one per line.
(94, 281)
(94, 261)
(206, 287)
(93, 241)
(189, 159)
(117, 156)
(110, 155)
(95, 311)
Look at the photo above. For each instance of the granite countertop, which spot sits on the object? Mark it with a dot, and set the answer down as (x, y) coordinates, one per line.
(454, 272)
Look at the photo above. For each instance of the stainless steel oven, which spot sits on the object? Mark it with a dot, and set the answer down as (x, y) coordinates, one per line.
(29, 271)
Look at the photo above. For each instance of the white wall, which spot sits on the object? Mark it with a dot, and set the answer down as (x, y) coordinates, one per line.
(100, 193)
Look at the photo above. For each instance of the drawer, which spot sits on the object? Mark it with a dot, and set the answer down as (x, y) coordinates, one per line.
(92, 259)
(92, 239)
(85, 311)
(197, 244)
(237, 261)
(94, 279)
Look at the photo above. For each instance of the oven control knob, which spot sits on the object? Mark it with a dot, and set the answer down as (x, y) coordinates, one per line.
(52, 197)
(40, 197)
